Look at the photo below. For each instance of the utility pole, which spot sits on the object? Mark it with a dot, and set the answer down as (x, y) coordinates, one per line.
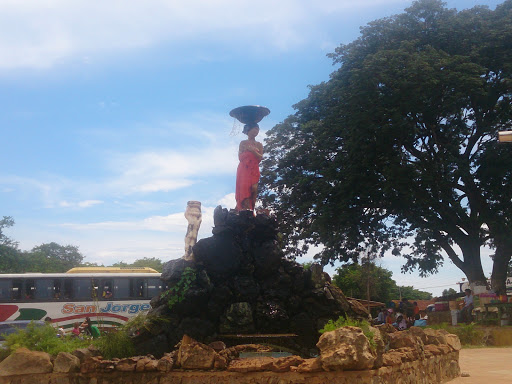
(368, 279)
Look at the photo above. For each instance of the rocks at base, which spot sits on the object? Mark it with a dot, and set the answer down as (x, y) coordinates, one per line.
(194, 355)
(66, 362)
(310, 365)
(260, 364)
(85, 353)
(24, 361)
(345, 348)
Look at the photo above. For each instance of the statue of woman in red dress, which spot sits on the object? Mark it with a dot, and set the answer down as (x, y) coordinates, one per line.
(250, 153)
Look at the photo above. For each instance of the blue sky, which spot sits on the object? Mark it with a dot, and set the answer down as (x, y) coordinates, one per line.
(115, 114)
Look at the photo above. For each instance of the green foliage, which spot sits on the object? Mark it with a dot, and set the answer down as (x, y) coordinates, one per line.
(348, 322)
(115, 344)
(43, 338)
(400, 144)
(142, 321)
(52, 257)
(449, 292)
(6, 222)
(469, 334)
(176, 293)
(353, 280)
(410, 293)
(150, 262)
(307, 265)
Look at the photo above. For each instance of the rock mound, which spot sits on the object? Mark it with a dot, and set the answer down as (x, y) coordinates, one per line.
(243, 284)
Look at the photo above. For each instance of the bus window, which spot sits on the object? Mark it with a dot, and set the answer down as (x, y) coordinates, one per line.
(57, 289)
(82, 289)
(5, 286)
(68, 290)
(154, 287)
(30, 289)
(17, 285)
(122, 288)
(139, 288)
(44, 289)
(106, 289)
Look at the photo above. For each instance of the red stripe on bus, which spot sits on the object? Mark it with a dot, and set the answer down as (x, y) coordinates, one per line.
(84, 315)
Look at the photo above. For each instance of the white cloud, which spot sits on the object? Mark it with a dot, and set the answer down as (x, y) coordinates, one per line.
(40, 34)
(167, 170)
(228, 201)
(80, 204)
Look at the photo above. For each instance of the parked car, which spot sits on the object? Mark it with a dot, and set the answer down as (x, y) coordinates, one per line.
(9, 327)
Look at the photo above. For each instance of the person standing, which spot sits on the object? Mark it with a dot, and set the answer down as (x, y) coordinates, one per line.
(465, 313)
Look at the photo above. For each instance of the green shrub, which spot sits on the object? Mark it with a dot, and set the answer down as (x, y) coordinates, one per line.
(43, 338)
(115, 344)
(469, 334)
(348, 322)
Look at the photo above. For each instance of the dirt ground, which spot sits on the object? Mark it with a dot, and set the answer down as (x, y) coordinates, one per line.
(485, 365)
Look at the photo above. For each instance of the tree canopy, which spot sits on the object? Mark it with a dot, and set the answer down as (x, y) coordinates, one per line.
(356, 280)
(400, 146)
(151, 262)
(449, 292)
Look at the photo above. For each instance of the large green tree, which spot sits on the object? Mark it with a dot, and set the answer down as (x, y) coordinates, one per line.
(363, 280)
(52, 257)
(400, 146)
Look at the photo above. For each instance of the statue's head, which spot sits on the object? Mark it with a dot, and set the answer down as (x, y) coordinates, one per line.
(248, 127)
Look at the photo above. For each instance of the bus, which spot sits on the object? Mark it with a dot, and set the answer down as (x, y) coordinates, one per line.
(108, 298)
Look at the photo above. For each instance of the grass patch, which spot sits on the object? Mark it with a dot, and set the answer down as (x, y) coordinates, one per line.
(42, 338)
(469, 334)
(115, 344)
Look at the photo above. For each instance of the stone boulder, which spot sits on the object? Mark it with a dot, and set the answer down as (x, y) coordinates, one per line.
(195, 355)
(452, 340)
(65, 363)
(173, 269)
(24, 361)
(260, 364)
(345, 348)
(126, 364)
(85, 353)
(310, 365)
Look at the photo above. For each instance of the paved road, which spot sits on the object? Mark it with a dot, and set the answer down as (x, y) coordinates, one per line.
(485, 366)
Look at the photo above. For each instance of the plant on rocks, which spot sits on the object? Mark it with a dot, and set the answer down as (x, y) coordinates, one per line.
(176, 293)
(348, 322)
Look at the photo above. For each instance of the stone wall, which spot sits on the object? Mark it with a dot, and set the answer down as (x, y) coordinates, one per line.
(436, 369)
(347, 355)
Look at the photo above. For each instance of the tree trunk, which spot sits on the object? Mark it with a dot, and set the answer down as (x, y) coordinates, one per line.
(499, 268)
(472, 265)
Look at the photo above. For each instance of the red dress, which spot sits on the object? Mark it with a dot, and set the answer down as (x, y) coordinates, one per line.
(247, 174)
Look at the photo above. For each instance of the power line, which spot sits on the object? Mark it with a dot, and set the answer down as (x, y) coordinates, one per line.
(438, 286)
